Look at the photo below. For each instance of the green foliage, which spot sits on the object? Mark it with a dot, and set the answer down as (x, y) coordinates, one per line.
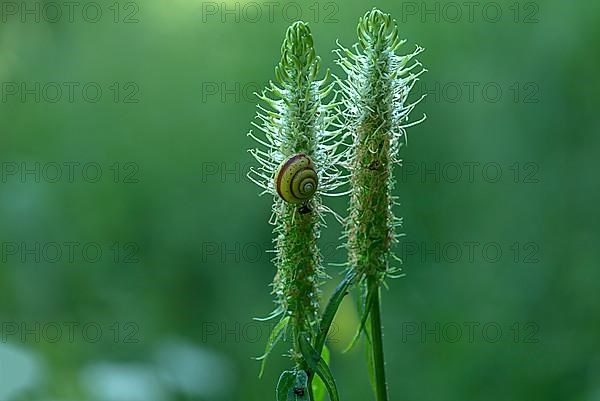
(293, 386)
(276, 335)
(318, 386)
(365, 304)
(318, 365)
(332, 306)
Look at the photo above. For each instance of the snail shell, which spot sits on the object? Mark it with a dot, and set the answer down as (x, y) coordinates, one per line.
(296, 179)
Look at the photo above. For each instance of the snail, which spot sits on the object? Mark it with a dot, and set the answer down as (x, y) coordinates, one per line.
(296, 179)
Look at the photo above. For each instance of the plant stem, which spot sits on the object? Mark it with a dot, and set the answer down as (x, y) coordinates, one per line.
(377, 342)
(311, 395)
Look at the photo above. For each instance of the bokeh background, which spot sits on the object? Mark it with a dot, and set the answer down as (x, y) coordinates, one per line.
(134, 249)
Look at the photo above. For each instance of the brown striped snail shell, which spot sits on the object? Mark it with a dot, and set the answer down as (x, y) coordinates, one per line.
(296, 179)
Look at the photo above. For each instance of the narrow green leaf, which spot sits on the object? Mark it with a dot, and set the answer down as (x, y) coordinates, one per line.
(370, 361)
(363, 321)
(274, 338)
(331, 309)
(318, 365)
(272, 315)
(317, 384)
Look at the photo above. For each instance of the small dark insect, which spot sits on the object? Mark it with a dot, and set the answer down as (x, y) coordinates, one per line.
(304, 209)
(375, 165)
(299, 391)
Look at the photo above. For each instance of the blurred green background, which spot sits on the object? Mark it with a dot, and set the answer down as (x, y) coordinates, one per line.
(134, 250)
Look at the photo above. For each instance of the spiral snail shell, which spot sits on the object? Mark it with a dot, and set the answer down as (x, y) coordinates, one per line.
(296, 179)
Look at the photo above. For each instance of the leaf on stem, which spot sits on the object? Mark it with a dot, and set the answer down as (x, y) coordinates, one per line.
(317, 364)
(274, 338)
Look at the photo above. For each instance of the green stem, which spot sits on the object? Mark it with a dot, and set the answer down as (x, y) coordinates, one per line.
(377, 342)
(311, 395)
